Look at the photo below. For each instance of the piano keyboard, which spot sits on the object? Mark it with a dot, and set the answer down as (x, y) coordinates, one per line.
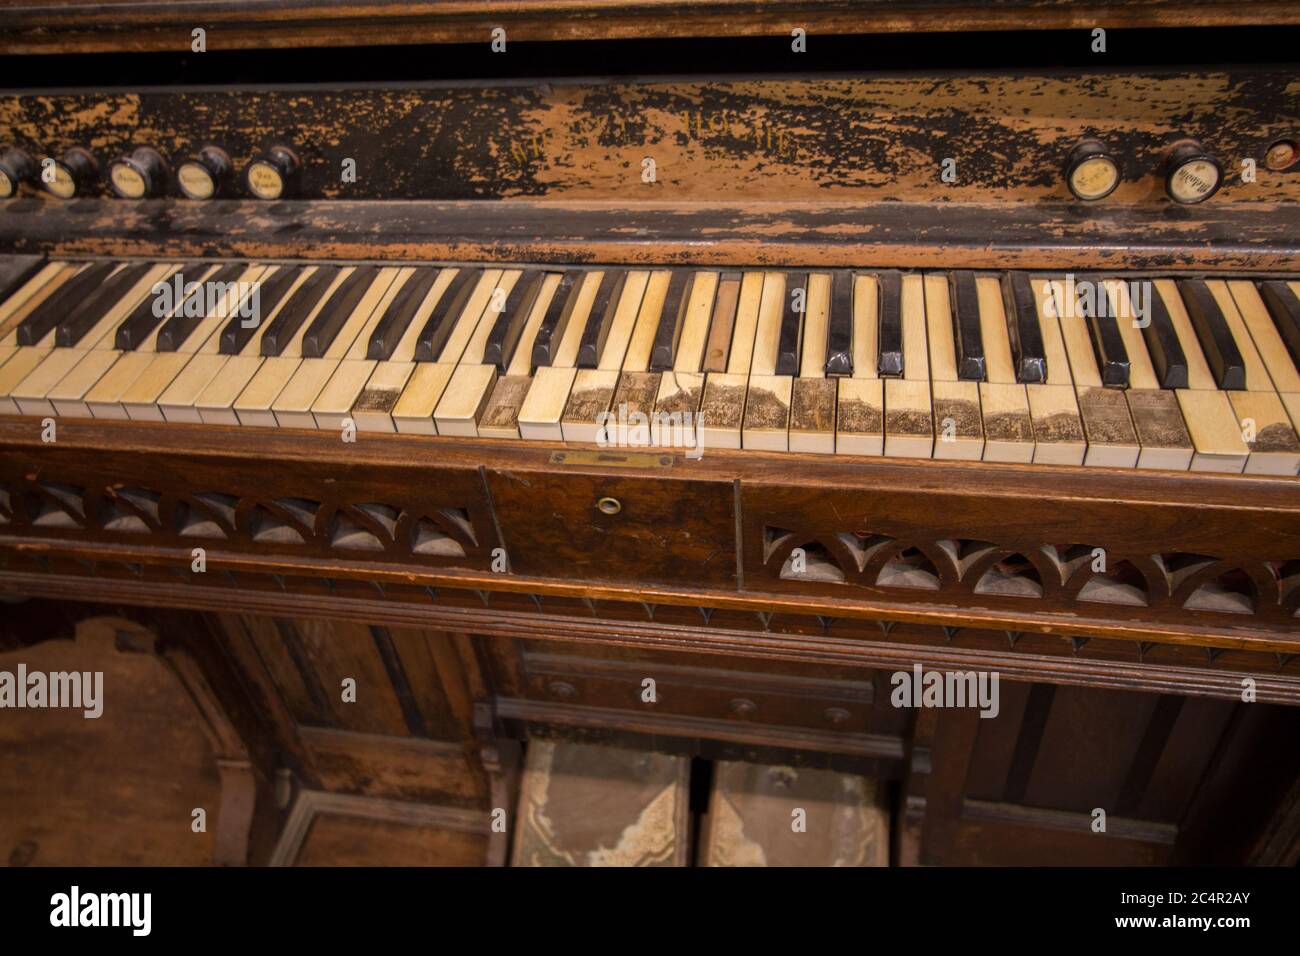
(960, 365)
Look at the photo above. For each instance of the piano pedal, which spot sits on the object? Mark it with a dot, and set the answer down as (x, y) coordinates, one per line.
(583, 805)
(763, 815)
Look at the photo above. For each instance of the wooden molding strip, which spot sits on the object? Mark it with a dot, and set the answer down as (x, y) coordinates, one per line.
(141, 26)
(1144, 831)
(1159, 678)
(675, 725)
(1259, 237)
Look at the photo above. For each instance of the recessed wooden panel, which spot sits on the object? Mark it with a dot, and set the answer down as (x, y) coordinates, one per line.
(392, 767)
(665, 530)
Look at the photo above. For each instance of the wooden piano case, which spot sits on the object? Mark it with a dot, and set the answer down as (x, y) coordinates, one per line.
(477, 593)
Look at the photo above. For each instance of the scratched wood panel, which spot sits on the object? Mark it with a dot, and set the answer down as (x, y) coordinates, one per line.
(138, 26)
(79, 792)
(856, 137)
(1058, 236)
(338, 840)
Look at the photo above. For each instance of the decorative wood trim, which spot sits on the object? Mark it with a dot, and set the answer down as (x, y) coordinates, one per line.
(1207, 680)
(89, 499)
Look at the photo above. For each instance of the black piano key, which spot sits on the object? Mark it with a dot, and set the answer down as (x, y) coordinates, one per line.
(270, 292)
(551, 332)
(1217, 343)
(1108, 345)
(15, 271)
(664, 351)
(194, 309)
(890, 362)
(285, 326)
(796, 307)
(969, 337)
(1027, 340)
(92, 309)
(509, 325)
(147, 316)
(450, 305)
(1166, 351)
(1283, 305)
(62, 301)
(392, 325)
(601, 318)
(336, 312)
(839, 325)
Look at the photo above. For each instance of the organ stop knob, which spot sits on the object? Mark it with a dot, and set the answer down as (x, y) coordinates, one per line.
(203, 176)
(273, 175)
(138, 175)
(1091, 172)
(1192, 175)
(69, 176)
(15, 167)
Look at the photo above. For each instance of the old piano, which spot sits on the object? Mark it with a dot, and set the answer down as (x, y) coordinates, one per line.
(420, 413)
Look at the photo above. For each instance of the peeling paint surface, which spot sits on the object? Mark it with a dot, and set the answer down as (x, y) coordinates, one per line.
(869, 137)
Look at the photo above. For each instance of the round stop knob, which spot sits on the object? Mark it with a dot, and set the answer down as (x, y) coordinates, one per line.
(138, 175)
(15, 167)
(204, 175)
(1192, 175)
(274, 174)
(71, 175)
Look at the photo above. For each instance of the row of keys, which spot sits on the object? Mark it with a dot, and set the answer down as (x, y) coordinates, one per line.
(144, 173)
(1170, 373)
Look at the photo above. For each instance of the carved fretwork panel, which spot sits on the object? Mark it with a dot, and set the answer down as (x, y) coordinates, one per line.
(1135, 561)
(295, 509)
